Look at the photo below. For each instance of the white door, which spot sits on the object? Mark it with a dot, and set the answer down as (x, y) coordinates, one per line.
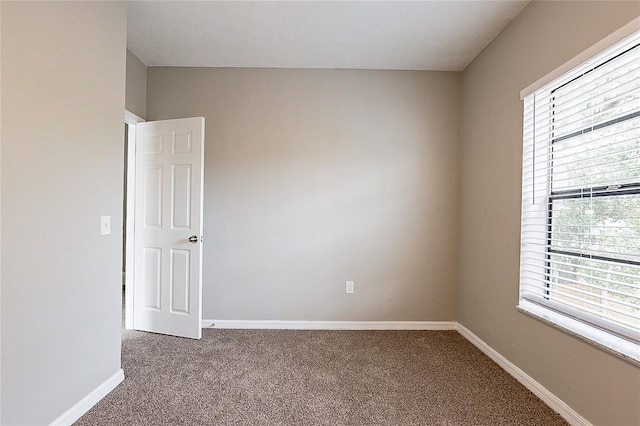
(168, 227)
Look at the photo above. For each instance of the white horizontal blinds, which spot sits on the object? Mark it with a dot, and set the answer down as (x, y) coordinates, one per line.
(580, 250)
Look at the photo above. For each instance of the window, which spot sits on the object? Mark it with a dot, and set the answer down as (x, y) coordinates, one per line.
(580, 253)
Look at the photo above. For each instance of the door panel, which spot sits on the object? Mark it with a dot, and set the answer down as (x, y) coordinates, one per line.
(168, 212)
(181, 202)
(151, 276)
(180, 280)
(153, 197)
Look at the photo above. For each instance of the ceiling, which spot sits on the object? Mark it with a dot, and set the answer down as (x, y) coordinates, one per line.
(412, 35)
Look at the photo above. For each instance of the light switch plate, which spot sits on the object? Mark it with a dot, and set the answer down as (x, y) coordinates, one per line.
(105, 225)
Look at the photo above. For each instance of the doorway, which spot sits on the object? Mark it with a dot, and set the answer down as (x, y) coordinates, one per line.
(130, 122)
(162, 225)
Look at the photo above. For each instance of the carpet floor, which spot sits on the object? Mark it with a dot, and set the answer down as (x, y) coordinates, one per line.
(290, 377)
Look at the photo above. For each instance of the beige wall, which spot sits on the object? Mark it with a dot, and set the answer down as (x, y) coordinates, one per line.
(314, 177)
(602, 388)
(136, 88)
(63, 78)
(0, 216)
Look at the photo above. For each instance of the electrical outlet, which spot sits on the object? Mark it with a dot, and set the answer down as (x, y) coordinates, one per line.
(350, 287)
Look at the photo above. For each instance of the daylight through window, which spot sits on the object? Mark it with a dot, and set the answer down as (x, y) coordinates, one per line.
(580, 252)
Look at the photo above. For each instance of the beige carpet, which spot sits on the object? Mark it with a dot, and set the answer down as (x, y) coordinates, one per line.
(285, 377)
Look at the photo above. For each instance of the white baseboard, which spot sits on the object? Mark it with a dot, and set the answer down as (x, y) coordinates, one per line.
(556, 404)
(85, 404)
(330, 325)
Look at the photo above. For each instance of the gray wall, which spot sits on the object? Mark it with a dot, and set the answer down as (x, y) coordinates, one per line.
(314, 177)
(601, 387)
(63, 78)
(136, 88)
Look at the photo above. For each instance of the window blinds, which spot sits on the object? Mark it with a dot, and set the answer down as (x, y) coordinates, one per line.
(580, 247)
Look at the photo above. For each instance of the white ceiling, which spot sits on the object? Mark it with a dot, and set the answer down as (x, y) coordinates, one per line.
(414, 35)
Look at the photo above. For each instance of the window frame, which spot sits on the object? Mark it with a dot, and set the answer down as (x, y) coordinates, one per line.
(561, 318)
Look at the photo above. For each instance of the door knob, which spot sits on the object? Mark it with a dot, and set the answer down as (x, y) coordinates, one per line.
(193, 239)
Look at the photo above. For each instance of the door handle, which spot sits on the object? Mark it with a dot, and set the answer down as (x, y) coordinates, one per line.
(193, 239)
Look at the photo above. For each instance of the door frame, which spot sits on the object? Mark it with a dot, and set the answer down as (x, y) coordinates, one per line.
(131, 120)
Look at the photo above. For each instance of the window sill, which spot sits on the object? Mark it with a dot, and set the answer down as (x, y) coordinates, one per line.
(619, 347)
